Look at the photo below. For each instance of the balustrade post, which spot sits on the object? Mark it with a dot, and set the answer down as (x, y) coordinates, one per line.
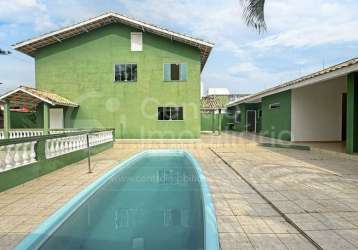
(7, 121)
(46, 119)
(38, 150)
(2, 159)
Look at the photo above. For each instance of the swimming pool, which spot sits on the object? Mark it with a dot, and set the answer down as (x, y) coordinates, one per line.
(157, 199)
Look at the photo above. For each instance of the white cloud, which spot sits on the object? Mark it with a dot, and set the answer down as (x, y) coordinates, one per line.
(312, 36)
(9, 8)
(20, 12)
(309, 23)
(213, 20)
(244, 67)
(15, 70)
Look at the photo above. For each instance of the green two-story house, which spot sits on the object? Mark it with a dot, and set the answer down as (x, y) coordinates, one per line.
(140, 79)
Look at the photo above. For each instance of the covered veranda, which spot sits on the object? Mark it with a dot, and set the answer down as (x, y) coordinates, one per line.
(48, 106)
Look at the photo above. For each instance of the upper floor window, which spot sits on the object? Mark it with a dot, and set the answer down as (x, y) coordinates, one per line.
(125, 72)
(275, 105)
(175, 72)
(170, 113)
(136, 41)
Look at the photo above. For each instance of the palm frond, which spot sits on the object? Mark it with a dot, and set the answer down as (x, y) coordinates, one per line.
(254, 14)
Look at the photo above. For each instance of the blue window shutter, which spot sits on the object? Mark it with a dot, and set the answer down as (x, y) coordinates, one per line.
(183, 72)
(167, 75)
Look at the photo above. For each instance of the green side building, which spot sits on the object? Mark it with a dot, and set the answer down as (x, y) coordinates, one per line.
(321, 107)
(140, 79)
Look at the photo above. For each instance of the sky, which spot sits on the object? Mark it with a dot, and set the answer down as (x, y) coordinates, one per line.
(302, 37)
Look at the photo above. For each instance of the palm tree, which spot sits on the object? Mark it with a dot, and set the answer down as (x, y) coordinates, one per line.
(254, 14)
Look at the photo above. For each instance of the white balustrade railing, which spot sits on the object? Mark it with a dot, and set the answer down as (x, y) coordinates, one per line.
(17, 155)
(64, 145)
(100, 138)
(55, 132)
(24, 133)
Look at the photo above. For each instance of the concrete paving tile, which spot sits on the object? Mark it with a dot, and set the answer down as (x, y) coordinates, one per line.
(292, 195)
(274, 196)
(349, 235)
(265, 210)
(266, 242)
(352, 217)
(264, 187)
(235, 241)
(330, 240)
(288, 207)
(307, 222)
(231, 196)
(351, 203)
(311, 206)
(295, 242)
(254, 225)
(10, 240)
(223, 210)
(228, 224)
(335, 205)
(333, 221)
(253, 198)
(279, 225)
(240, 207)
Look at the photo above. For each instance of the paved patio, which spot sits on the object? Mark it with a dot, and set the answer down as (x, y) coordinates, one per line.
(317, 192)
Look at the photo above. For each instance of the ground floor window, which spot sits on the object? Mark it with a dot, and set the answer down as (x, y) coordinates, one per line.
(125, 72)
(170, 113)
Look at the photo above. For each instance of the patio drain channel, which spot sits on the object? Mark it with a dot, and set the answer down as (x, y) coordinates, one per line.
(287, 219)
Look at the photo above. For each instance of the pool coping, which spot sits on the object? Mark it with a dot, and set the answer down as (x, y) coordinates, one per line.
(38, 236)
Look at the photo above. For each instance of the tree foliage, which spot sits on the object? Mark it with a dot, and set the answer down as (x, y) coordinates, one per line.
(254, 14)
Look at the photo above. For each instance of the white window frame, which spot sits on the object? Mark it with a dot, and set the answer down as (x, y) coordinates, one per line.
(277, 104)
(170, 120)
(114, 73)
(134, 46)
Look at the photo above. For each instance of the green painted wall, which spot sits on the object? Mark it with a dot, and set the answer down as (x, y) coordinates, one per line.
(23, 120)
(208, 123)
(352, 113)
(276, 123)
(26, 173)
(241, 127)
(82, 69)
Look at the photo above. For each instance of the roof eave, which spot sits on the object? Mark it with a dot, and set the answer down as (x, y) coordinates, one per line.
(30, 46)
(298, 84)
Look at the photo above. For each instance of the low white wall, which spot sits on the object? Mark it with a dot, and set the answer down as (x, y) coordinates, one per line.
(316, 111)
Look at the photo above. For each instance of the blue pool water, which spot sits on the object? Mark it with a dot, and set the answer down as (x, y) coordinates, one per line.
(156, 200)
